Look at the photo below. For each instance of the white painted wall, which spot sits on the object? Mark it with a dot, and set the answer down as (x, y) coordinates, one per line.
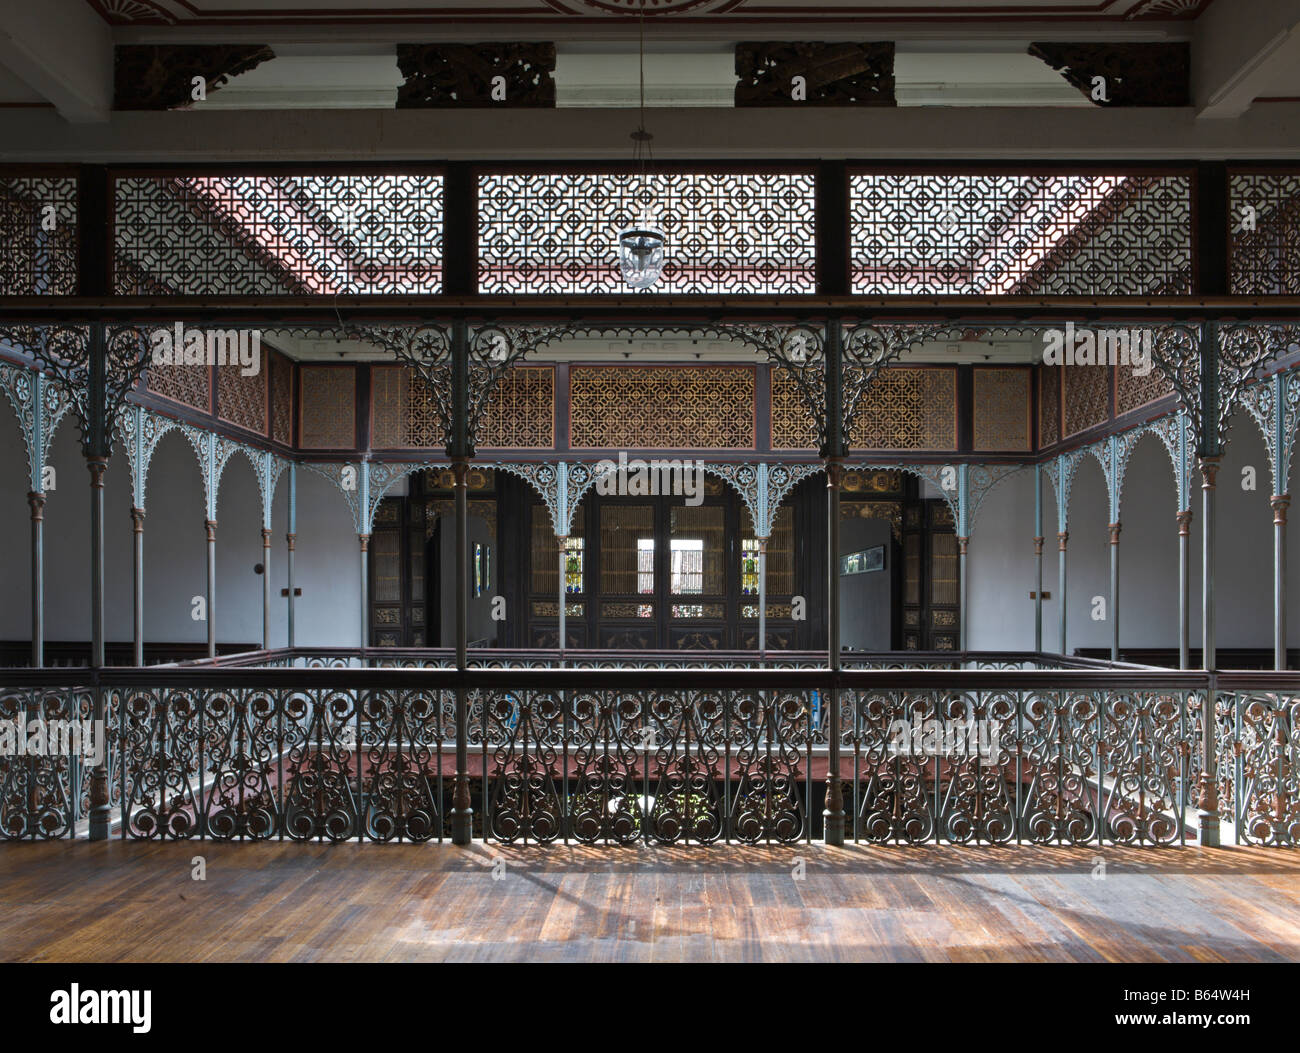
(1002, 564)
(175, 569)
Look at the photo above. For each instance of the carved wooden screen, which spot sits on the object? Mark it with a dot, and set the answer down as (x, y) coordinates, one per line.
(1020, 233)
(726, 232)
(1264, 217)
(38, 229)
(248, 235)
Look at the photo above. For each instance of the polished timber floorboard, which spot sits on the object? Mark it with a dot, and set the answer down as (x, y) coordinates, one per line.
(119, 901)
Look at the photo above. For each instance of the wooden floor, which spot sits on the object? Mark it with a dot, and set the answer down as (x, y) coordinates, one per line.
(111, 901)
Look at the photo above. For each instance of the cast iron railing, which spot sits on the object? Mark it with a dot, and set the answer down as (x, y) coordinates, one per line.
(1052, 756)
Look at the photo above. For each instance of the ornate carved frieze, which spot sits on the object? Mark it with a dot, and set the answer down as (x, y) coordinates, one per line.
(447, 76)
(1143, 74)
(815, 74)
(162, 76)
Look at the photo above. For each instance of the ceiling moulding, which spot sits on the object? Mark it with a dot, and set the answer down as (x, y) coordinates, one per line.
(161, 76)
(1123, 74)
(456, 76)
(815, 74)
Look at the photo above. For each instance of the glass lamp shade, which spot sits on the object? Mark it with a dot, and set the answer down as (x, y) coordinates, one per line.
(641, 255)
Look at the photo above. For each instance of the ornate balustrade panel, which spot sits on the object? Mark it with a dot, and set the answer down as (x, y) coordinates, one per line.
(42, 767)
(1265, 766)
(1045, 766)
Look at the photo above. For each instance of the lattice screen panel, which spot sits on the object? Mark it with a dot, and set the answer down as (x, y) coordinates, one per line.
(662, 407)
(992, 233)
(328, 408)
(188, 385)
(725, 232)
(281, 379)
(313, 235)
(1087, 397)
(1049, 405)
(1133, 391)
(1264, 248)
(242, 400)
(520, 415)
(1003, 409)
(38, 231)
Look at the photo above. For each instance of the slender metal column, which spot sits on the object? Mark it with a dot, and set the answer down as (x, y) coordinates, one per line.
(37, 503)
(1184, 589)
(100, 807)
(462, 814)
(364, 539)
(963, 595)
(210, 525)
(1208, 803)
(291, 540)
(762, 596)
(835, 451)
(266, 589)
(460, 449)
(1038, 560)
(1280, 504)
(562, 593)
(1114, 592)
(1062, 538)
(137, 584)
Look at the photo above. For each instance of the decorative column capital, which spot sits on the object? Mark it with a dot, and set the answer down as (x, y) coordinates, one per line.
(1061, 539)
(1185, 522)
(210, 525)
(1038, 546)
(365, 542)
(1209, 467)
(137, 520)
(1280, 504)
(266, 538)
(291, 540)
(963, 545)
(36, 500)
(1114, 533)
(97, 466)
(834, 472)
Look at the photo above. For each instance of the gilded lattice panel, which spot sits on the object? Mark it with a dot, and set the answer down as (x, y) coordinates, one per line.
(241, 400)
(328, 408)
(1049, 405)
(1087, 397)
(890, 511)
(792, 427)
(521, 415)
(662, 407)
(1265, 241)
(909, 409)
(1003, 409)
(281, 399)
(189, 385)
(1133, 392)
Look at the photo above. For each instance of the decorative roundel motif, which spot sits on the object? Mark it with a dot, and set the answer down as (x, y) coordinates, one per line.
(652, 7)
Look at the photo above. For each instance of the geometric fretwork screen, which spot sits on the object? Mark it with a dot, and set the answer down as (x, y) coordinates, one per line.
(1265, 259)
(311, 235)
(1008, 233)
(724, 232)
(38, 236)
